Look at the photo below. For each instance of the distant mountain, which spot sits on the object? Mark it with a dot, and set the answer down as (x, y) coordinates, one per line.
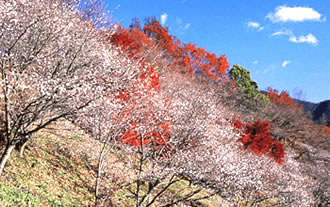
(320, 111)
(307, 106)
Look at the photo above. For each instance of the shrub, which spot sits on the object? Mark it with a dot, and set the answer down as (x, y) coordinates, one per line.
(257, 137)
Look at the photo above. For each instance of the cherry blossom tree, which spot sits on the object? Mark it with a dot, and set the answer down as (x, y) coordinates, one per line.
(208, 151)
(53, 63)
(201, 146)
(159, 127)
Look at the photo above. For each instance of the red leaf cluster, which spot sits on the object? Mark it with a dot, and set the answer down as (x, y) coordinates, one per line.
(257, 137)
(157, 136)
(195, 58)
(136, 42)
(132, 41)
(326, 130)
(188, 56)
(159, 34)
(282, 98)
(158, 132)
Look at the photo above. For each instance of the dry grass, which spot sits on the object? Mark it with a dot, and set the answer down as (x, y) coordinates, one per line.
(59, 169)
(53, 170)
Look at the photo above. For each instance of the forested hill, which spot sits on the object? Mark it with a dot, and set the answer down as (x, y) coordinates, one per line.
(93, 114)
(320, 111)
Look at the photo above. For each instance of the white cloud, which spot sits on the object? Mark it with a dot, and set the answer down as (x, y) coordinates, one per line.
(255, 62)
(179, 21)
(270, 69)
(182, 27)
(311, 39)
(283, 32)
(285, 63)
(163, 18)
(186, 26)
(294, 14)
(255, 25)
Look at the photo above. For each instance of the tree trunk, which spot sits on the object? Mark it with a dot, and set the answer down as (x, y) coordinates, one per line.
(99, 169)
(5, 156)
(97, 183)
(21, 148)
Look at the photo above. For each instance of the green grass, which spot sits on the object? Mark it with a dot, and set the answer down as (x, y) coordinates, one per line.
(12, 196)
(54, 173)
(52, 170)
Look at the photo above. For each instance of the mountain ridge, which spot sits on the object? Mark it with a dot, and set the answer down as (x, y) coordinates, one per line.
(319, 112)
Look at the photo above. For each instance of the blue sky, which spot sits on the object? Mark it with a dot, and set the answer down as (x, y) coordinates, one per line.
(284, 44)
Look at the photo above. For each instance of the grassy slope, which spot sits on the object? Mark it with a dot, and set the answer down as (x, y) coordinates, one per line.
(51, 172)
(58, 170)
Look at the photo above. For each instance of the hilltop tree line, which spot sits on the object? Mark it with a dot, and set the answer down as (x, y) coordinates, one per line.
(181, 110)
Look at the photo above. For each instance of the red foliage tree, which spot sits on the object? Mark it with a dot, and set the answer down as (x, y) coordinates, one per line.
(180, 56)
(282, 98)
(199, 59)
(157, 132)
(132, 41)
(257, 137)
(136, 42)
(326, 130)
(188, 55)
(155, 31)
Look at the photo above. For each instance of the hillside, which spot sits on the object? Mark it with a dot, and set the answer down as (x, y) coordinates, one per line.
(96, 114)
(59, 169)
(320, 111)
(307, 106)
(317, 111)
